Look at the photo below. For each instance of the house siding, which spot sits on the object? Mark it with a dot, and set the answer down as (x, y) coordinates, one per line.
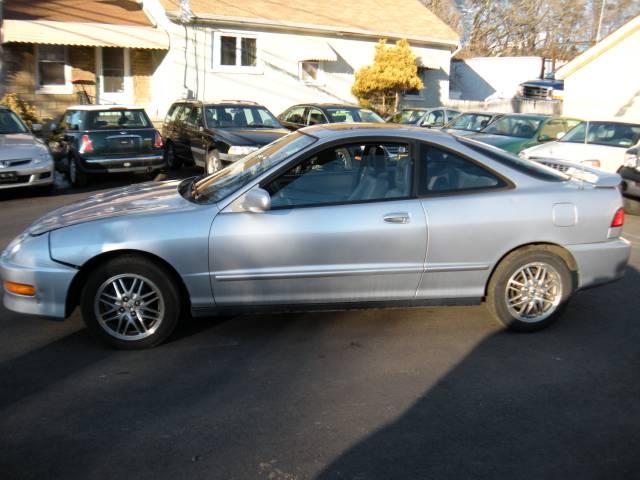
(607, 87)
(188, 68)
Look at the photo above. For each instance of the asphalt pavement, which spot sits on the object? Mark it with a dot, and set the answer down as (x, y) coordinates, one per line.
(429, 393)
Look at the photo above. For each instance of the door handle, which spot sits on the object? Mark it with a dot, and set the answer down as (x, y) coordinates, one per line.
(400, 217)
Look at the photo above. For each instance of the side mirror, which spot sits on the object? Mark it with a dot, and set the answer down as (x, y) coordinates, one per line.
(257, 200)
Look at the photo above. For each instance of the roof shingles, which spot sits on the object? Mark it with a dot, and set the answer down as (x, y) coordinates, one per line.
(403, 18)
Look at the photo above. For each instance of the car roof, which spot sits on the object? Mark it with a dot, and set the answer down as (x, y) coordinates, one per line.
(345, 129)
(91, 108)
(325, 105)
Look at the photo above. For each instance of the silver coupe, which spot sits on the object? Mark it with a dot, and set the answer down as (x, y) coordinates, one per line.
(331, 216)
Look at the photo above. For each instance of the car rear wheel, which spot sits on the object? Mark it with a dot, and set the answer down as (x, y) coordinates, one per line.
(131, 303)
(529, 289)
(173, 162)
(213, 163)
(76, 176)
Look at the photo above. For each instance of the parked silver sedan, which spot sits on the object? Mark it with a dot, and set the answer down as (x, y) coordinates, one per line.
(25, 161)
(331, 216)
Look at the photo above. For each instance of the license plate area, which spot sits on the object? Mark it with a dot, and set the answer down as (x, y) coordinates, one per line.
(8, 177)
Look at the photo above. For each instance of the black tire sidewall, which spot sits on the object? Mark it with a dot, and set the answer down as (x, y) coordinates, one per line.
(498, 285)
(177, 163)
(135, 265)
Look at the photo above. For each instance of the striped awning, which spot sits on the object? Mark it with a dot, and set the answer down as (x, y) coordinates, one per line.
(83, 34)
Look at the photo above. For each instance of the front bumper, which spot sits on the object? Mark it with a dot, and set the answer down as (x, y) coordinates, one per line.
(27, 260)
(26, 177)
(142, 163)
(601, 262)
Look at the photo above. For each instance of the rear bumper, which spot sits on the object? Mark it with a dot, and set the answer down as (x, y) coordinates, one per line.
(29, 177)
(142, 163)
(601, 262)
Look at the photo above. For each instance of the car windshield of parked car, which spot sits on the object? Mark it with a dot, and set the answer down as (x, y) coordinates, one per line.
(10, 123)
(350, 115)
(610, 134)
(473, 122)
(217, 186)
(117, 119)
(407, 117)
(522, 127)
(239, 117)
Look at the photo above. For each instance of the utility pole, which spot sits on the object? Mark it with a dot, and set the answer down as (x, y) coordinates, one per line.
(2, 82)
(604, 2)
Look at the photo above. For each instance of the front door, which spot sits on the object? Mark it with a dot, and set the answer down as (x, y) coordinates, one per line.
(343, 227)
(115, 85)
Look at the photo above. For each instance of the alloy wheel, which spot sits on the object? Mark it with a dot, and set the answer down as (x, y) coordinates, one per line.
(533, 292)
(129, 307)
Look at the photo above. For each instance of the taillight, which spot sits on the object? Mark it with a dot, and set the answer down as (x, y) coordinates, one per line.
(618, 219)
(85, 144)
(157, 143)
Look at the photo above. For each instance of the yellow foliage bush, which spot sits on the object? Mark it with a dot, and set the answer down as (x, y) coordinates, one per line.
(22, 108)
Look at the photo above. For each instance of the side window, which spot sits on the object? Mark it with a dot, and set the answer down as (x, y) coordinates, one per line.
(435, 118)
(184, 113)
(344, 174)
(315, 117)
(295, 115)
(452, 113)
(551, 130)
(444, 172)
(173, 112)
(65, 121)
(195, 117)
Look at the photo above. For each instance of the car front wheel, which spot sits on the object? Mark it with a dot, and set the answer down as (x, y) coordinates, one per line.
(131, 303)
(529, 289)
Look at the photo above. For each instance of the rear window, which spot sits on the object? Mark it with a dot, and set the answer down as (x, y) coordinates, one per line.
(117, 119)
(528, 167)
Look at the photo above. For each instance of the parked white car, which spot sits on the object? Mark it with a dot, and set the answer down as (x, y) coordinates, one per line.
(25, 160)
(599, 144)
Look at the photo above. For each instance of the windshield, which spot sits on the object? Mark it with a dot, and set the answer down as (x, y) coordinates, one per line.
(120, 119)
(11, 123)
(406, 117)
(522, 127)
(611, 134)
(239, 117)
(220, 184)
(350, 115)
(473, 122)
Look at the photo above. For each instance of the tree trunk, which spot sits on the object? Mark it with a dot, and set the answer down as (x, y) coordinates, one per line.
(397, 101)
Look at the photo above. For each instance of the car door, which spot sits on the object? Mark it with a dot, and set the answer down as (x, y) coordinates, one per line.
(194, 136)
(343, 227)
(181, 141)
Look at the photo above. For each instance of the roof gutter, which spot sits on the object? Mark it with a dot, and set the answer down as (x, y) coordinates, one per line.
(207, 18)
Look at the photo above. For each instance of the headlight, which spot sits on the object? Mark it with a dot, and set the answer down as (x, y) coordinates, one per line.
(43, 156)
(631, 160)
(592, 163)
(235, 150)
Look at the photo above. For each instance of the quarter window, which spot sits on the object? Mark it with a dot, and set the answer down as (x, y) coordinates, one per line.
(345, 174)
(295, 115)
(434, 119)
(444, 172)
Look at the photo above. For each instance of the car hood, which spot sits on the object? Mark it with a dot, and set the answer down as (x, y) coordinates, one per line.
(137, 199)
(459, 133)
(19, 145)
(505, 142)
(251, 136)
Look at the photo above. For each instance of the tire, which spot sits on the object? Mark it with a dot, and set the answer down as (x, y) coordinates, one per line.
(141, 313)
(213, 162)
(172, 160)
(76, 176)
(631, 206)
(529, 307)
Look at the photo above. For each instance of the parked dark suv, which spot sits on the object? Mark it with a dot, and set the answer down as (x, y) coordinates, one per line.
(106, 139)
(300, 116)
(211, 134)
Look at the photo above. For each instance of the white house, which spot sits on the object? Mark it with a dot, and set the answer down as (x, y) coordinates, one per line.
(603, 82)
(282, 52)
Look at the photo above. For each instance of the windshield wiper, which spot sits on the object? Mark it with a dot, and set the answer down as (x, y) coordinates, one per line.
(261, 125)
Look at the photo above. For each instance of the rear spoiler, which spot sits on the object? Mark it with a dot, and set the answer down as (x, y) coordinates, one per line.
(594, 176)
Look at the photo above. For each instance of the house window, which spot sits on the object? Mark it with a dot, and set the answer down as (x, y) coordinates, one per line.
(52, 69)
(310, 71)
(235, 52)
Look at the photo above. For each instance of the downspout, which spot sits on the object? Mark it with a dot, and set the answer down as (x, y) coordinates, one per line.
(186, 16)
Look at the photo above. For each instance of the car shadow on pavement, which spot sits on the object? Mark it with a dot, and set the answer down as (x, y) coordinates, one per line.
(560, 403)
